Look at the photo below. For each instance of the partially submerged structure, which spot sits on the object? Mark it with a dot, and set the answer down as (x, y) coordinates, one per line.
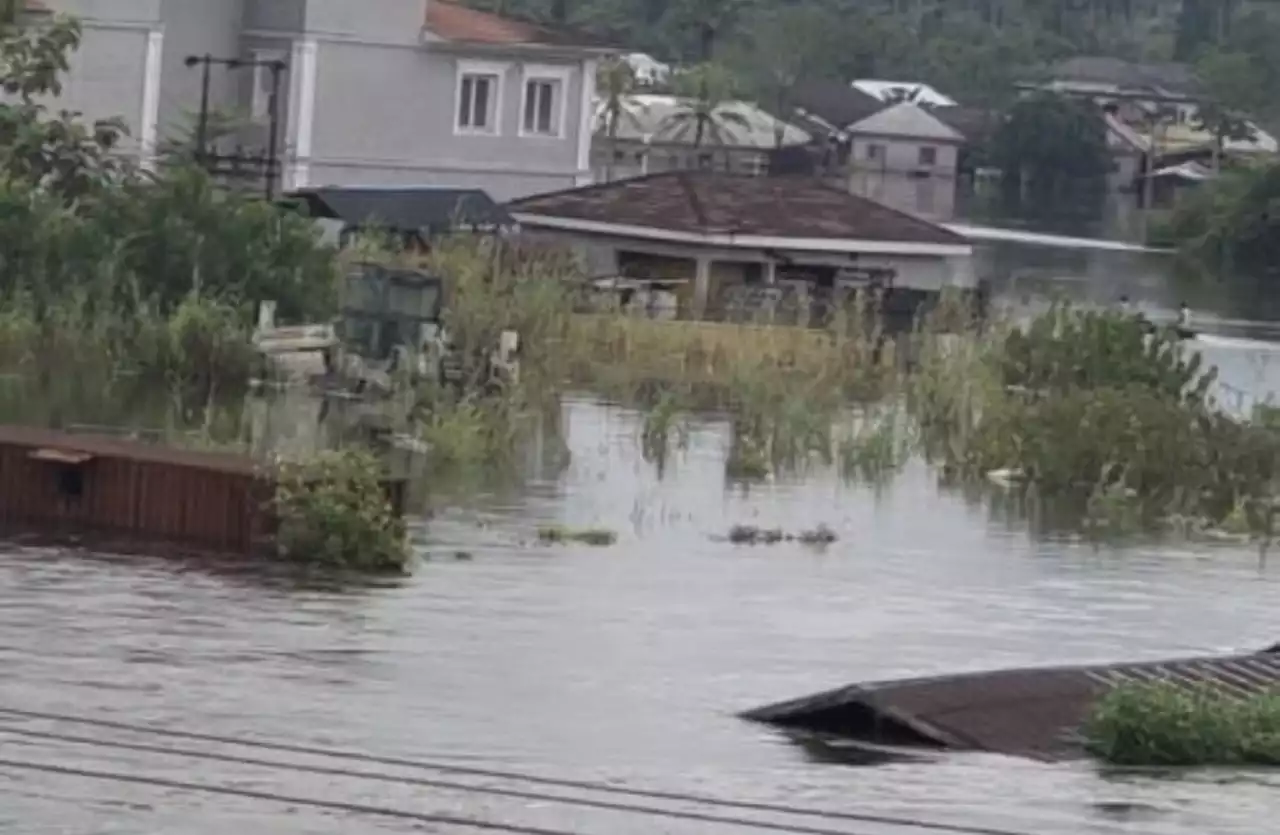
(1033, 713)
(137, 496)
(724, 232)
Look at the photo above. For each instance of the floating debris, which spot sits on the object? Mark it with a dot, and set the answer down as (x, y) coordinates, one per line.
(751, 535)
(601, 537)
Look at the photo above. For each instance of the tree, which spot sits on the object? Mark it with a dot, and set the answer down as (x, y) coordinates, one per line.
(782, 47)
(615, 85)
(705, 91)
(58, 152)
(1053, 150)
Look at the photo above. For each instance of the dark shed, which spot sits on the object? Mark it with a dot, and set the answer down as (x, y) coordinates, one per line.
(1033, 712)
(137, 495)
(422, 210)
(61, 483)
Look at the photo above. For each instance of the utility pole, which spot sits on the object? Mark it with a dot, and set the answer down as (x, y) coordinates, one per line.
(265, 164)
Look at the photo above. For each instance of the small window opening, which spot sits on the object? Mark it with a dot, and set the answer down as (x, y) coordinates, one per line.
(70, 481)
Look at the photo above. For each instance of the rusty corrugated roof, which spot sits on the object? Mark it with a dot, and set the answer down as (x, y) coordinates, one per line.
(107, 446)
(716, 203)
(1033, 712)
(456, 22)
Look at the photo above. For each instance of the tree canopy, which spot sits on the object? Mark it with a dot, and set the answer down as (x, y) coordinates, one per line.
(972, 49)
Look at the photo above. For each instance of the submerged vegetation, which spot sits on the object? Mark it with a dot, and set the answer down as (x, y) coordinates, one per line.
(1164, 724)
(123, 286)
(334, 512)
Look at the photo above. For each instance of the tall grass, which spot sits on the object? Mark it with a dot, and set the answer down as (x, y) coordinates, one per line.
(1165, 724)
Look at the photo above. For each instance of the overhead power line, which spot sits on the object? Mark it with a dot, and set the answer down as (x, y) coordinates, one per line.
(609, 805)
(513, 776)
(331, 805)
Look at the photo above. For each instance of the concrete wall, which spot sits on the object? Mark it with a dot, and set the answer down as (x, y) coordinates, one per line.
(629, 158)
(897, 178)
(364, 99)
(387, 115)
(198, 27)
(929, 273)
(106, 79)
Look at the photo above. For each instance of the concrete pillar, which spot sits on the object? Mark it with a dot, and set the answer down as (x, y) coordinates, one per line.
(770, 272)
(701, 285)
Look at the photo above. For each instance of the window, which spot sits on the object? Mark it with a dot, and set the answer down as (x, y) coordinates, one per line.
(475, 103)
(875, 152)
(543, 108)
(758, 165)
(928, 156)
(479, 97)
(541, 98)
(260, 100)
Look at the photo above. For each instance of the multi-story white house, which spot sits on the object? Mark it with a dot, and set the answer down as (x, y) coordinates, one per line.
(374, 93)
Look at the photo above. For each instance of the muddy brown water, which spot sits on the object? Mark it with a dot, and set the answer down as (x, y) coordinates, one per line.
(624, 664)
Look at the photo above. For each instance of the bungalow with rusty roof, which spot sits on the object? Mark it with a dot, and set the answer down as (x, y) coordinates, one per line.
(376, 93)
(720, 232)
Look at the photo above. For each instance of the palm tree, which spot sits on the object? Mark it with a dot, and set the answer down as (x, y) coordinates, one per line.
(615, 86)
(705, 93)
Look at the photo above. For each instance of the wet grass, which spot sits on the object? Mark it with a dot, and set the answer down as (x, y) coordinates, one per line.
(1163, 724)
(559, 534)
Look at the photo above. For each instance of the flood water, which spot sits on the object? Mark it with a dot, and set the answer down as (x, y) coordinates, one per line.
(623, 664)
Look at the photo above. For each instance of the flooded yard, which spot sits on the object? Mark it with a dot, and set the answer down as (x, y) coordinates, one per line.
(622, 665)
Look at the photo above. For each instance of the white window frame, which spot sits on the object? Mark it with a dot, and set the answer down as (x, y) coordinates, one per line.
(497, 74)
(920, 154)
(560, 77)
(260, 96)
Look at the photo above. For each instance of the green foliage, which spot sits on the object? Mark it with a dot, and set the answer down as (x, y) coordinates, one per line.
(1097, 414)
(1068, 349)
(1052, 148)
(1163, 724)
(1229, 227)
(705, 91)
(558, 534)
(334, 513)
(118, 276)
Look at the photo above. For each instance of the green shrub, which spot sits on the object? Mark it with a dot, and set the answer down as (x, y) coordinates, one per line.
(1067, 349)
(1162, 724)
(333, 512)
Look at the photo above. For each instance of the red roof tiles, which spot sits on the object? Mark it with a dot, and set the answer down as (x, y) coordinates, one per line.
(456, 22)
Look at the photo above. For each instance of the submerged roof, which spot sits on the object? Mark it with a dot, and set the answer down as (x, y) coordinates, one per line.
(1025, 712)
(455, 22)
(405, 209)
(119, 447)
(907, 121)
(729, 210)
(653, 117)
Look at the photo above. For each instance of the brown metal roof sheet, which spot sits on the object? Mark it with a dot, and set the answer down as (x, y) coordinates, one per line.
(1035, 712)
(69, 444)
(455, 22)
(715, 203)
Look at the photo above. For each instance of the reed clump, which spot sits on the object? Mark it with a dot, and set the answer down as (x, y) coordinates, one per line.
(1165, 724)
(333, 513)
(1094, 411)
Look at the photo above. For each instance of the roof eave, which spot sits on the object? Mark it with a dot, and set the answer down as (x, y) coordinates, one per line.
(731, 240)
(436, 41)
